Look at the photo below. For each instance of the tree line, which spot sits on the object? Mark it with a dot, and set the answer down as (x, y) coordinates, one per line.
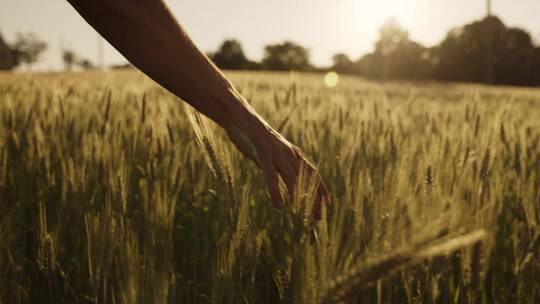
(26, 51)
(485, 51)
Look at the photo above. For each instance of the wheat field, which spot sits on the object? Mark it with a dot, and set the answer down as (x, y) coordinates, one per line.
(113, 191)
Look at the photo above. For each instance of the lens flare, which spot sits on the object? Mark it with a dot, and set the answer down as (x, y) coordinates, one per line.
(331, 79)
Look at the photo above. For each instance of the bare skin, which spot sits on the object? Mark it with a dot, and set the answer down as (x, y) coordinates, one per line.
(148, 35)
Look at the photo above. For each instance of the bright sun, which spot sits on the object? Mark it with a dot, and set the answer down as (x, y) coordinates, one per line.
(372, 14)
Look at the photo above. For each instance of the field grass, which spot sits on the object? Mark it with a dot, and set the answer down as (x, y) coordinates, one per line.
(105, 196)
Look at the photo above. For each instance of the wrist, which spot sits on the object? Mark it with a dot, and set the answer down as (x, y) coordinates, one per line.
(244, 119)
(246, 129)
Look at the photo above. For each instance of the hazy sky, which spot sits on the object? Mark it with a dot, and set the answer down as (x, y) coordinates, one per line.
(324, 26)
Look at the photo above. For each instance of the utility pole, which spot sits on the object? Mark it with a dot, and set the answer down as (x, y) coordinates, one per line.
(488, 8)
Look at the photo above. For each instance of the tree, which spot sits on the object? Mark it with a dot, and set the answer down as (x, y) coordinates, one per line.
(230, 56)
(370, 65)
(85, 64)
(391, 36)
(401, 57)
(395, 55)
(535, 79)
(487, 51)
(515, 58)
(8, 60)
(72, 59)
(27, 48)
(286, 56)
(69, 59)
(342, 63)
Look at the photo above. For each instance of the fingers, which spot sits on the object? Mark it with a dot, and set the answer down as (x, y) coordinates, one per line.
(272, 181)
(288, 174)
(321, 196)
(289, 165)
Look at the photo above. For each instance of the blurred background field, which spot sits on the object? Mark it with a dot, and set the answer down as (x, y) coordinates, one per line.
(105, 196)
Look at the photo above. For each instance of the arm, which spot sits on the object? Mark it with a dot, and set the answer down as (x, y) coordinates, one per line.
(148, 35)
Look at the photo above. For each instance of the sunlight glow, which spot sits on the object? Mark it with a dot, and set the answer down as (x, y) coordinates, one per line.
(372, 14)
(331, 79)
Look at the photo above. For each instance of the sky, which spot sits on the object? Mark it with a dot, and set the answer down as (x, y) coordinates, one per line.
(325, 27)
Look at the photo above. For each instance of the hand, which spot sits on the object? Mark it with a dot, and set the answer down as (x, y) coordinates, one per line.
(276, 157)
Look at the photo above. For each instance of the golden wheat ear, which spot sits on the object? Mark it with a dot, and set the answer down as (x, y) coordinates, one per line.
(214, 152)
(366, 274)
(205, 139)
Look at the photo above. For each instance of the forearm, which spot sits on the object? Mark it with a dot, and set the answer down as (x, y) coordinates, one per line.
(147, 34)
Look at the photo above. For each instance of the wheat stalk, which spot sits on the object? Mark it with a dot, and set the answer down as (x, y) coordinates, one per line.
(371, 271)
